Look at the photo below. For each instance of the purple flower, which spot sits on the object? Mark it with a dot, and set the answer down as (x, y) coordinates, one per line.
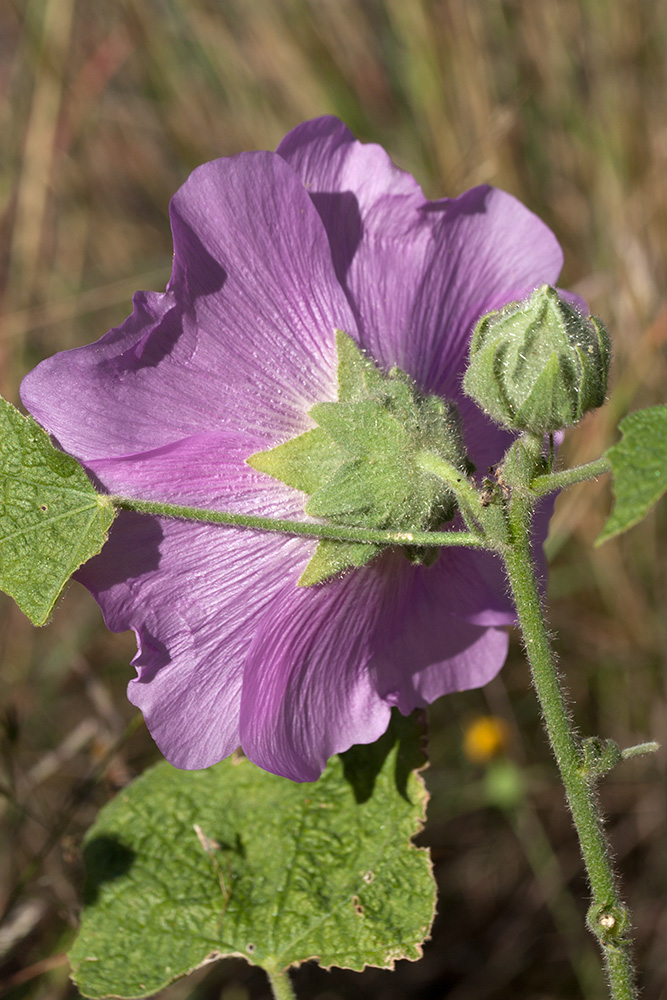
(272, 252)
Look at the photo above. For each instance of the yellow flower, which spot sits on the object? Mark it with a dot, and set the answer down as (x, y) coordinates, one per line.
(485, 738)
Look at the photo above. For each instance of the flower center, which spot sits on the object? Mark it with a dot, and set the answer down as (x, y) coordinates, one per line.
(360, 466)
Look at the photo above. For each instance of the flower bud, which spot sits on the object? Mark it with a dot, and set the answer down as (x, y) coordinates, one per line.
(538, 365)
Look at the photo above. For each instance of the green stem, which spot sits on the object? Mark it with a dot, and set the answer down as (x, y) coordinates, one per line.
(281, 985)
(309, 529)
(568, 477)
(607, 918)
(557, 897)
(640, 750)
(466, 494)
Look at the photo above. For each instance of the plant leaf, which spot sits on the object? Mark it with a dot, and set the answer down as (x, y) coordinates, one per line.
(185, 867)
(51, 517)
(639, 465)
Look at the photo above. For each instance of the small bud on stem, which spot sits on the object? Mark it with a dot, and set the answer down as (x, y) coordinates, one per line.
(538, 365)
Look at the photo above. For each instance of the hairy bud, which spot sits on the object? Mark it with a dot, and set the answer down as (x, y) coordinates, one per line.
(538, 365)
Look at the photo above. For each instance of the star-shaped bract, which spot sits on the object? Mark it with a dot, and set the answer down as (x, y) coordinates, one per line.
(272, 253)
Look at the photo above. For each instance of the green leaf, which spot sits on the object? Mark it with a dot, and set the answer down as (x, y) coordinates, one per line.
(51, 517)
(639, 465)
(188, 866)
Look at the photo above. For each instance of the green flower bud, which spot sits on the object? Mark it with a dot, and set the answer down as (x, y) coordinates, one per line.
(538, 365)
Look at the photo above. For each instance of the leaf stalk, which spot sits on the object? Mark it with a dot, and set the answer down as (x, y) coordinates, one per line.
(305, 529)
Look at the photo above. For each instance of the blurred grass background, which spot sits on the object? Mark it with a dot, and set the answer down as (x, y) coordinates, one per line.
(104, 110)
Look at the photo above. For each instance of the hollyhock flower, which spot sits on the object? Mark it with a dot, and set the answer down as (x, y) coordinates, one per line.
(273, 252)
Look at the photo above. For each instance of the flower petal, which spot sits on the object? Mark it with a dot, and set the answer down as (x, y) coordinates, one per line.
(329, 662)
(469, 585)
(488, 249)
(207, 470)
(410, 675)
(194, 594)
(419, 274)
(194, 597)
(430, 642)
(306, 691)
(242, 339)
(346, 180)
(378, 233)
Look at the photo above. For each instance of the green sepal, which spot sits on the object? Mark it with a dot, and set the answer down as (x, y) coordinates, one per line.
(52, 519)
(304, 462)
(639, 466)
(360, 466)
(550, 396)
(358, 376)
(331, 558)
(356, 495)
(365, 428)
(185, 867)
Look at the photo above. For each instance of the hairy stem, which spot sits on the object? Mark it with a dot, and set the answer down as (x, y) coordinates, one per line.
(640, 750)
(281, 985)
(307, 529)
(553, 481)
(466, 494)
(608, 918)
